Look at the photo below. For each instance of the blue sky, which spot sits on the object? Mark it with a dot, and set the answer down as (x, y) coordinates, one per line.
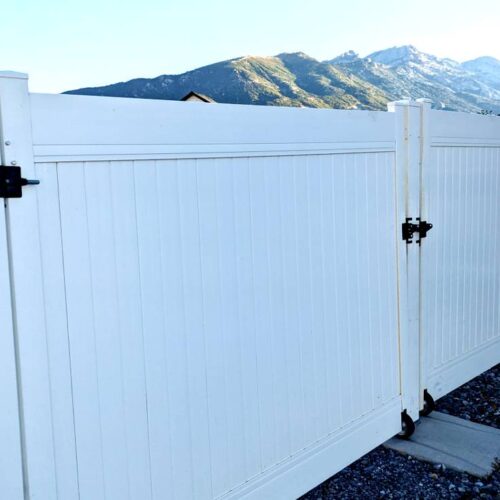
(66, 44)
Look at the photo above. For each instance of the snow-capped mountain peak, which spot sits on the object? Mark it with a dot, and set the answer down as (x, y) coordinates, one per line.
(406, 70)
(348, 81)
(346, 57)
(396, 56)
(487, 68)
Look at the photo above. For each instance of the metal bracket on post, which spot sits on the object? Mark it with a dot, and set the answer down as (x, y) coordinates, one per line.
(407, 426)
(429, 404)
(11, 182)
(409, 228)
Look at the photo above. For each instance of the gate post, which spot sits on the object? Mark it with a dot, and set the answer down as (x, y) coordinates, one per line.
(408, 131)
(24, 258)
(425, 152)
(11, 461)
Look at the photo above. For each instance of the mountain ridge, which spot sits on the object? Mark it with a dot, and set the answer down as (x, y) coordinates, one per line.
(347, 81)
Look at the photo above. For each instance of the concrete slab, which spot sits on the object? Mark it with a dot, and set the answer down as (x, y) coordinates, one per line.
(456, 443)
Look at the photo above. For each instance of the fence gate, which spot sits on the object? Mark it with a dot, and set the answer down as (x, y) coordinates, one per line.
(215, 301)
(193, 294)
(460, 260)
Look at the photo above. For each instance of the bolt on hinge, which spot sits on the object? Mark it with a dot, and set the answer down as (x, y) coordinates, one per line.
(409, 228)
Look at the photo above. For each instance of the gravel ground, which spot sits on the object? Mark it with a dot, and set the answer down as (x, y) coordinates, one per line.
(478, 400)
(387, 474)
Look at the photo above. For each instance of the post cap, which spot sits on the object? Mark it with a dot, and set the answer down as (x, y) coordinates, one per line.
(403, 103)
(13, 74)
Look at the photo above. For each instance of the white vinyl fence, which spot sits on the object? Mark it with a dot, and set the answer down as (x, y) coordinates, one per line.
(215, 301)
(461, 261)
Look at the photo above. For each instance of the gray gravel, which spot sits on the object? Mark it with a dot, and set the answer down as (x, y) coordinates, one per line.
(387, 474)
(478, 400)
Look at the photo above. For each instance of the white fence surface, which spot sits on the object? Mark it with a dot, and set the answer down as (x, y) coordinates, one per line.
(215, 301)
(461, 264)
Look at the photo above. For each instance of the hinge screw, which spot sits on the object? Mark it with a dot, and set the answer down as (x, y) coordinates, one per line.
(8, 143)
(13, 162)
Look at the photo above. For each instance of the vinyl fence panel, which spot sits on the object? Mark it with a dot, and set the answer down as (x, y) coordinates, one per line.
(460, 262)
(207, 276)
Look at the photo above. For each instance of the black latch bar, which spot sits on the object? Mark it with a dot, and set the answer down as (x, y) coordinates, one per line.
(409, 228)
(11, 182)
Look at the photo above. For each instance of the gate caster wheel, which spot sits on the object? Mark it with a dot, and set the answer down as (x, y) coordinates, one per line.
(407, 426)
(429, 405)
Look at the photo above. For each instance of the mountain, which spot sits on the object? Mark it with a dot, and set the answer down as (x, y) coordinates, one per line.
(449, 84)
(383, 77)
(348, 81)
(485, 68)
(283, 80)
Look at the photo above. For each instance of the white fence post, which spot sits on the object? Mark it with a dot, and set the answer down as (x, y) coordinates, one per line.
(28, 309)
(425, 151)
(408, 133)
(11, 464)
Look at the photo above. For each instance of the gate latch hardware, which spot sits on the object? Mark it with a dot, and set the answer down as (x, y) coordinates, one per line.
(409, 228)
(11, 182)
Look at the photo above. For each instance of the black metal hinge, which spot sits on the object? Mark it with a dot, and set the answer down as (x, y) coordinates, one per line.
(11, 182)
(409, 228)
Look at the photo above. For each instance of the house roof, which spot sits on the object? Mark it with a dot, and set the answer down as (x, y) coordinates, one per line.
(201, 97)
